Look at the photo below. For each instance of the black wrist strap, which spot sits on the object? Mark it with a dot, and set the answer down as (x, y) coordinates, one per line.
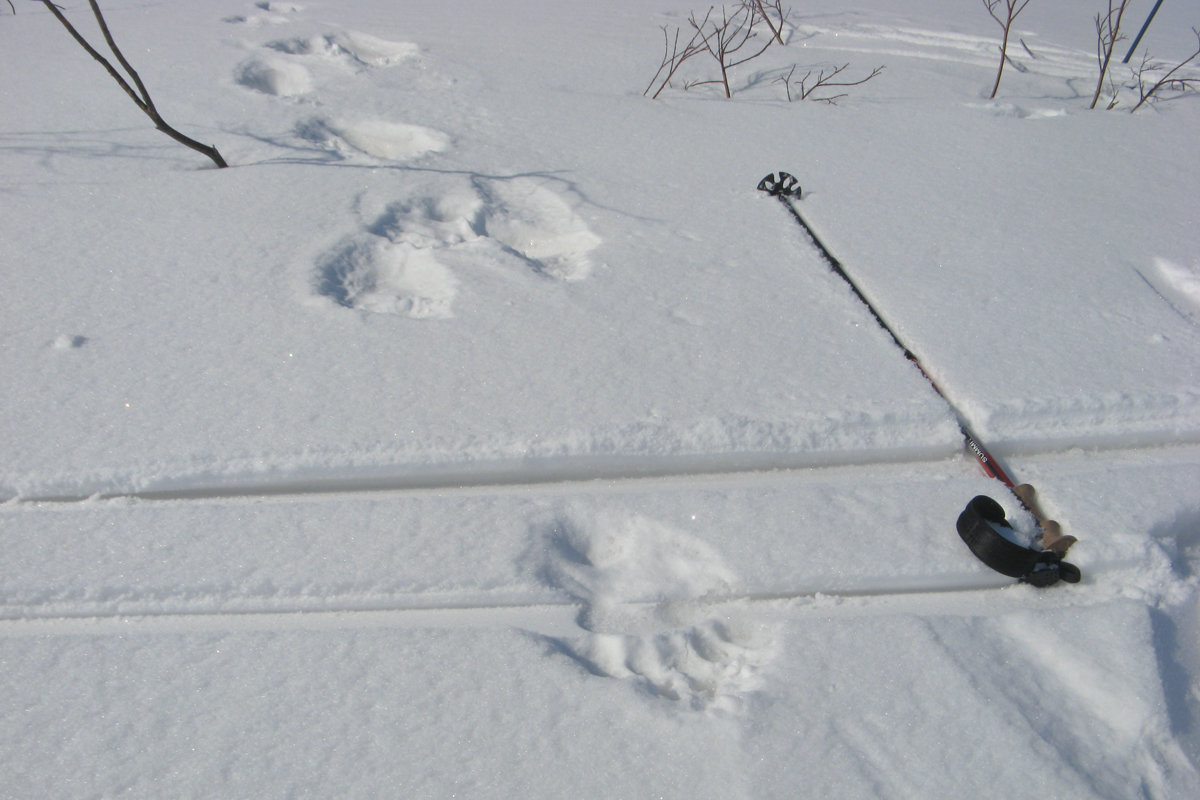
(980, 524)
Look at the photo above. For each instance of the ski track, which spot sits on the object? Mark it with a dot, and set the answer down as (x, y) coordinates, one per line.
(531, 474)
(1042, 57)
(984, 594)
(540, 473)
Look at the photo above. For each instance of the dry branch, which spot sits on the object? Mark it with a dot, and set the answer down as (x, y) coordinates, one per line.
(825, 81)
(673, 57)
(1167, 81)
(1011, 9)
(1108, 33)
(727, 36)
(140, 96)
(776, 27)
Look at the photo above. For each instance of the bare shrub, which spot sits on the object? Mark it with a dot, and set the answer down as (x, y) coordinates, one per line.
(673, 57)
(824, 81)
(140, 96)
(776, 25)
(1108, 33)
(727, 35)
(1005, 13)
(725, 39)
(1148, 92)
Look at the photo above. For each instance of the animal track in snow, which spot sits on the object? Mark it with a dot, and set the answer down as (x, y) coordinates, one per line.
(1177, 285)
(280, 72)
(368, 50)
(283, 76)
(393, 266)
(1182, 282)
(527, 216)
(394, 141)
(275, 14)
(283, 70)
(398, 264)
(371, 273)
(441, 219)
(644, 588)
(274, 76)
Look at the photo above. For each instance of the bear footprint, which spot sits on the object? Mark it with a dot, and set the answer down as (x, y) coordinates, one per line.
(371, 273)
(646, 591)
(525, 215)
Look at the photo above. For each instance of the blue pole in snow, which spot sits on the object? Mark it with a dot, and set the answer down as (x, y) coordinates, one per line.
(1138, 38)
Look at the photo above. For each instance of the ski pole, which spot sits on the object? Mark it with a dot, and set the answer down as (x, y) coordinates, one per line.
(784, 187)
(1138, 38)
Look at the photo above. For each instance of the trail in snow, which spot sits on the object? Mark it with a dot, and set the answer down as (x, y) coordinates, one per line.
(530, 473)
(403, 262)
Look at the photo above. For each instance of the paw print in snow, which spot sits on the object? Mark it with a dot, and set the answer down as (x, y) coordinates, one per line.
(527, 216)
(648, 596)
(398, 265)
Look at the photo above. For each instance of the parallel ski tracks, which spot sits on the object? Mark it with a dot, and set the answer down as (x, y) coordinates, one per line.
(518, 474)
(982, 594)
(546, 613)
(549, 474)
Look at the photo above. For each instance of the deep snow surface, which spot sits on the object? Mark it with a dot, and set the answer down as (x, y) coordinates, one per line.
(483, 432)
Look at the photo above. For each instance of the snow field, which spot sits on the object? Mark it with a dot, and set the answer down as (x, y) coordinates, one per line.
(679, 591)
(483, 432)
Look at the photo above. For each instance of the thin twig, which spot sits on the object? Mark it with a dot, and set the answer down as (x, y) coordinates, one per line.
(112, 45)
(1012, 9)
(673, 57)
(1167, 81)
(777, 7)
(825, 81)
(116, 76)
(787, 82)
(1108, 33)
(729, 37)
(140, 97)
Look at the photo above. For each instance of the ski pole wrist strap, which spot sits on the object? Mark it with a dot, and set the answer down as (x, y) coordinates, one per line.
(982, 526)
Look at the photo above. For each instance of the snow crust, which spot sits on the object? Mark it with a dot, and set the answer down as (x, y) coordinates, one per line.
(483, 432)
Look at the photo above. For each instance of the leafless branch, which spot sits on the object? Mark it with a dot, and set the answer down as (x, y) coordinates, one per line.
(140, 96)
(776, 26)
(673, 57)
(726, 34)
(1108, 33)
(1168, 81)
(1005, 13)
(826, 80)
(725, 39)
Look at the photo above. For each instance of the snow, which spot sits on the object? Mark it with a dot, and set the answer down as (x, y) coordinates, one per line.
(483, 432)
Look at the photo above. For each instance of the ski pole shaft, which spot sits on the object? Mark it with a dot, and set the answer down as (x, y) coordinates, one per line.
(1137, 39)
(786, 187)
